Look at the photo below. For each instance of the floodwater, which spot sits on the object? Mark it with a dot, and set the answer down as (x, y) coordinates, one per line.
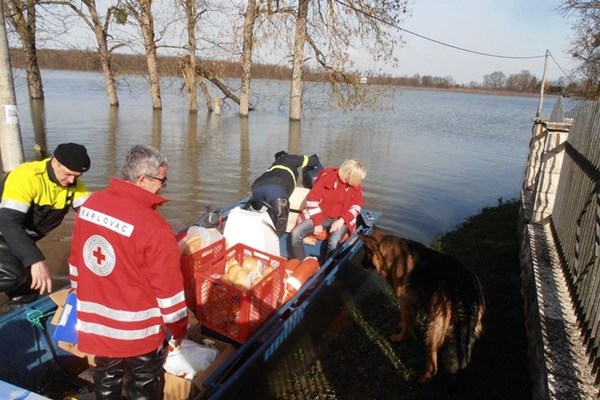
(433, 158)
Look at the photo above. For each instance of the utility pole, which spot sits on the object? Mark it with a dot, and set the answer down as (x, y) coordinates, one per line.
(540, 104)
(11, 147)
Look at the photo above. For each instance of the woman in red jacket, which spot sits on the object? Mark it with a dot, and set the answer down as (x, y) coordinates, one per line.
(332, 204)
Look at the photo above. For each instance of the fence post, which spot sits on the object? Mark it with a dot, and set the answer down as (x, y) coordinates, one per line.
(534, 161)
(552, 156)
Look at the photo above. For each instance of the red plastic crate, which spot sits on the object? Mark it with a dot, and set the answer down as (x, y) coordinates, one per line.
(190, 264)
(231, 310)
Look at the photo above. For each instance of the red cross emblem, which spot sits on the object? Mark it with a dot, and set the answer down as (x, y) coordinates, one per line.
(100, 257)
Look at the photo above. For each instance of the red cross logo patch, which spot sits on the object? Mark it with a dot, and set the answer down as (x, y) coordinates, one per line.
(99, 255)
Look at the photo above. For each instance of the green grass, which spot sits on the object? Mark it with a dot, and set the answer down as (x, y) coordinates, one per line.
(352, 357)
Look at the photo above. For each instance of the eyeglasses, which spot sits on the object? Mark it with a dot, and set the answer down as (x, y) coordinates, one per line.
(163, 181)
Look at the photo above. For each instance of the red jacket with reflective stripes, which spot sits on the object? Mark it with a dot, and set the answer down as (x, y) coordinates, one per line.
(125, 265)
(332, 198)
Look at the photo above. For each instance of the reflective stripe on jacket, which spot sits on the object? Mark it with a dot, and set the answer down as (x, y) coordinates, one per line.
(33, 204)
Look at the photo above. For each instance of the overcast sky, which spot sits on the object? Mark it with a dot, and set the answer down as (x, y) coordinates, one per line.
(516, 28)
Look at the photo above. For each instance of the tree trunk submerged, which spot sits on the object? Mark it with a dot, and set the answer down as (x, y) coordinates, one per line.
(296, 85)
(247, 57)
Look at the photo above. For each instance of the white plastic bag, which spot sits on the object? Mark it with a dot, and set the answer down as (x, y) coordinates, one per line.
(190, 358)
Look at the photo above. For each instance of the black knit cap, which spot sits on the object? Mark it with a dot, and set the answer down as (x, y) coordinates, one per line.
(73, 156)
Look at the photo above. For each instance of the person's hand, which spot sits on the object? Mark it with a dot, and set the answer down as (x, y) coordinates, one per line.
(176, 342)
(337, 225)
(40, 277)
(318, 230)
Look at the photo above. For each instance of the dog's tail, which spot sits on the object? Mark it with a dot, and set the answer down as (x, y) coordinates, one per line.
(468, 307)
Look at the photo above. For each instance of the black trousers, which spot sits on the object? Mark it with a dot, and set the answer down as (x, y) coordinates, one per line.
(145, 373)
(15, 278)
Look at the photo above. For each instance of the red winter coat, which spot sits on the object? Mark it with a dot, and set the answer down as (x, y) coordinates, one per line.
(332, 198)
(125, 265)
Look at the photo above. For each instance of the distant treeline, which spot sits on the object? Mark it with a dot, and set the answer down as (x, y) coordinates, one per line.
(79, 60)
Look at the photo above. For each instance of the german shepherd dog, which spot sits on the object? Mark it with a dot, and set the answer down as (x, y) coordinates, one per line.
(436, 284)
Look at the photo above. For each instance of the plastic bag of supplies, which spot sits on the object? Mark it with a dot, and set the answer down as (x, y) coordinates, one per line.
(190, 358)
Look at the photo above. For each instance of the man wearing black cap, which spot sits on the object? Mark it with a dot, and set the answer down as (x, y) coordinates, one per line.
(36, 196)
(275, 186)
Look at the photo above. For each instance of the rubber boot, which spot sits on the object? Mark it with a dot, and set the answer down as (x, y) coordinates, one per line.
(280, 211)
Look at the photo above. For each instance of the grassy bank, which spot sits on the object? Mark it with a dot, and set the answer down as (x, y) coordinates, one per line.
(352, 357)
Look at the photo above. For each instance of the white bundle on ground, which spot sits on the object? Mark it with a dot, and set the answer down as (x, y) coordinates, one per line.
(189, 358)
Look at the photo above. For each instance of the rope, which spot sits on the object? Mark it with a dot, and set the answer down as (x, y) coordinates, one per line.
(34, 317)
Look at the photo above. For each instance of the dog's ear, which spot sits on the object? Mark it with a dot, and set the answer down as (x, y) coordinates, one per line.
(369, 241)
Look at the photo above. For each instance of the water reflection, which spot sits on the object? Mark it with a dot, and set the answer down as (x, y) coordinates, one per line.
(294, 138)
(245, 183)
(38, 121)
(111, 140)
(156, 129)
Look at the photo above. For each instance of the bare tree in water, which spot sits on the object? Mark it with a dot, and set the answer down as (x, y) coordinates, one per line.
(246, 62)
(193, 66)
(87, 10)
(141, 11)
(329, 29)
(22, 17)
(187, 64)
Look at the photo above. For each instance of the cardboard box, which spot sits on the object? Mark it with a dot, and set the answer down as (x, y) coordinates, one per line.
(60, 298)
(298, 198)
(297, 202)
(182, 389)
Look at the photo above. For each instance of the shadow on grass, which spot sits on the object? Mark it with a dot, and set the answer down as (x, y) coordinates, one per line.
(342, 350)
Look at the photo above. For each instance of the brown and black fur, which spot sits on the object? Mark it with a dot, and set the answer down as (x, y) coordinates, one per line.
(436, 284)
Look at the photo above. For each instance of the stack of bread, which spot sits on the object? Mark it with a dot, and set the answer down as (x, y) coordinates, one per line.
(246, 274)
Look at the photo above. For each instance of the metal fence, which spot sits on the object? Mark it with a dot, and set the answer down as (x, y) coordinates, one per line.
(575, 223)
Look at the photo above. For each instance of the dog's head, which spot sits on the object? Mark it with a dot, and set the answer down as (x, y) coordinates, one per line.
(374, 257)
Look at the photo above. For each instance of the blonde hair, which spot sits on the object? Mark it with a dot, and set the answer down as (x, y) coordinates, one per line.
(352, 172)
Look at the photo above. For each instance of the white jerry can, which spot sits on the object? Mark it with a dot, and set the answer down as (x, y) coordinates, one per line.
(252, 228)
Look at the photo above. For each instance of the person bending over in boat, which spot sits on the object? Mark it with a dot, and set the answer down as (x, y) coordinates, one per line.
(332, 205)
(125, 267)
(275, 186)
(36, 196)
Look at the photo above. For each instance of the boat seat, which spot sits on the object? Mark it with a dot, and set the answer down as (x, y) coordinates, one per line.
(312, 239)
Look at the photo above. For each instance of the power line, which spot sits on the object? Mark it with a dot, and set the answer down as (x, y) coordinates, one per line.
(451, 45)
(561, 69)
(467, 50)
(434, 40)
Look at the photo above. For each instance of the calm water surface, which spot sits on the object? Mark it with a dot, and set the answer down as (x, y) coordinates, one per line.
(433, 158)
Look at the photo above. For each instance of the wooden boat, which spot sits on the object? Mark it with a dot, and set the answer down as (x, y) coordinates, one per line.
(32, 364)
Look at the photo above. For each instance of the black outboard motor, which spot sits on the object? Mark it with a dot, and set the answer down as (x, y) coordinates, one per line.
(309, 174)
